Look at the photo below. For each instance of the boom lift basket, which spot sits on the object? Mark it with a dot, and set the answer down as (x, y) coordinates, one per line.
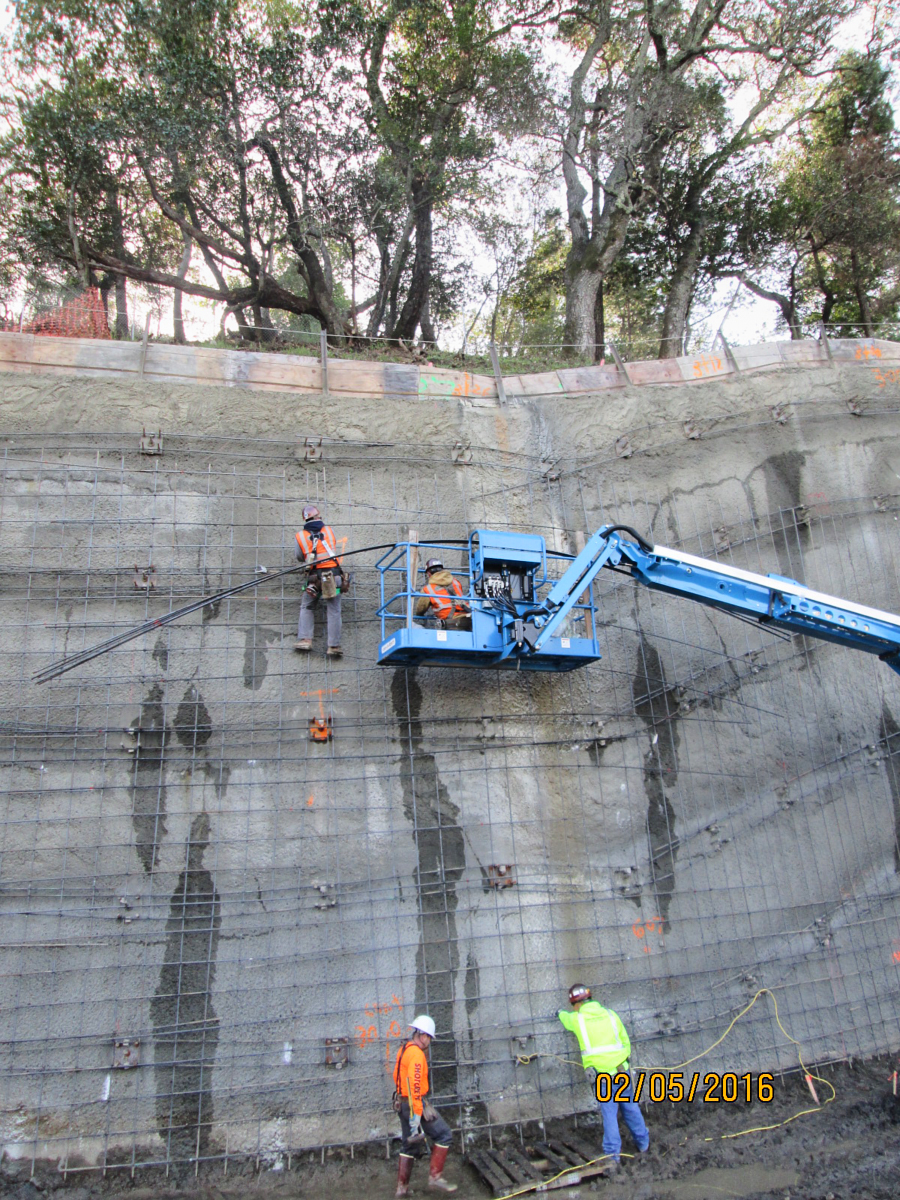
(508, 575)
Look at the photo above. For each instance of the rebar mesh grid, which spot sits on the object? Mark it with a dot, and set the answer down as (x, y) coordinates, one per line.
(201, 906)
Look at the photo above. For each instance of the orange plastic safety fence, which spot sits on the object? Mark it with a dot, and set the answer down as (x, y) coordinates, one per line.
(83, 317)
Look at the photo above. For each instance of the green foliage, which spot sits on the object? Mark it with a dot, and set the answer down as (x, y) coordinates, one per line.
(837, 204)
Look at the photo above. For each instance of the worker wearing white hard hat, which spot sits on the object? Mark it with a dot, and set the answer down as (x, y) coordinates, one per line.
(418, 1117)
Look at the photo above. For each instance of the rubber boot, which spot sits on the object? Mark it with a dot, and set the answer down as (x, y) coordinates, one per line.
(436, 1180)
(403, 1175)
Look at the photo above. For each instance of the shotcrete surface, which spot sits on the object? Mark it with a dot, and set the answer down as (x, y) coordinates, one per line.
(707, 812)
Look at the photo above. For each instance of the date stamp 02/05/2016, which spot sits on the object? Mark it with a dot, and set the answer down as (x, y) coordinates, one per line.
(712, 1088)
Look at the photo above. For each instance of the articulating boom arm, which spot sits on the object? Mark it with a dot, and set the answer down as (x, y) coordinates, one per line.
(770, 599)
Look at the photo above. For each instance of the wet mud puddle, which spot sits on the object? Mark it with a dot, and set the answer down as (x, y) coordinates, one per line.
(726, 1182)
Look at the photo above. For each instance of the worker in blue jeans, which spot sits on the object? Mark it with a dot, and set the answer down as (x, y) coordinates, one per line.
(605, 1047)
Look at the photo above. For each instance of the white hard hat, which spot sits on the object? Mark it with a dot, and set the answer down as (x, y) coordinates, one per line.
(423, 1023)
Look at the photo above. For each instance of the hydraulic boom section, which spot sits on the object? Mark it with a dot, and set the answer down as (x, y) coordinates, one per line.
(522, 618)
(769, 599)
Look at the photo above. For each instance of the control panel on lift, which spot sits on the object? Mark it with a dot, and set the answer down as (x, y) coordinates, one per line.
(503, 565)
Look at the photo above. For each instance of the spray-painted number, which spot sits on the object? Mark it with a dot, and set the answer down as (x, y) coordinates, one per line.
(654, 925)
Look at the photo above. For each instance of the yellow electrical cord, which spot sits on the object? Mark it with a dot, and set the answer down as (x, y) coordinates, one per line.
(524, 1059)
(568, 1171)
(808, 1075)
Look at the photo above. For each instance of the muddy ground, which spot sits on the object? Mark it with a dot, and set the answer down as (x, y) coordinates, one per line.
(850, 1147)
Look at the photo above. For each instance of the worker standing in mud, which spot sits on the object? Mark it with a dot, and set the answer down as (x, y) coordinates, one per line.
(317, 547)
(418, 1117)
(605, 1047)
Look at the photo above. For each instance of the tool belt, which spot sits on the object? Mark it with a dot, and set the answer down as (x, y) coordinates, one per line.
(328, 583)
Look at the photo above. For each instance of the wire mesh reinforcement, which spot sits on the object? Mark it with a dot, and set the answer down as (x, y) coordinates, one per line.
(215, 930)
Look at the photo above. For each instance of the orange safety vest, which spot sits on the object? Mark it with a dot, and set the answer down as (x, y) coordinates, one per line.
(311, 545)
(411, 1075)
(441, 602)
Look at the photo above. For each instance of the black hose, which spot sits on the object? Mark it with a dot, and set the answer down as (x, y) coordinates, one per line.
(646, 546)
(77, 660)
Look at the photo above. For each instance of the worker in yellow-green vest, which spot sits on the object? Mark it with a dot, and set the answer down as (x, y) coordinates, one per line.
(605, 1047)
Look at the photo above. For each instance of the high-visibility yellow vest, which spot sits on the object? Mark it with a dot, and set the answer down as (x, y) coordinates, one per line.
(601, 1035)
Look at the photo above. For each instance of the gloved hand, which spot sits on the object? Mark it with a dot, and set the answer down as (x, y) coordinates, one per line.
(415, 1128)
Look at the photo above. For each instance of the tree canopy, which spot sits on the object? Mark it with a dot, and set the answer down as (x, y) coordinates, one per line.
(538, 170)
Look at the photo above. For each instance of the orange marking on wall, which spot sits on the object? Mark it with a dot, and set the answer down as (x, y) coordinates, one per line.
(320, 692)
(707, 366)
(640, 929)
(309, 802)
(886, 377)
(365, 1034)
(864, 351)
(368, 1034)
(468, 387)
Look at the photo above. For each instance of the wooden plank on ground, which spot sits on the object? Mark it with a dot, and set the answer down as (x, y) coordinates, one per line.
(551, 1156)
(512, 1169)
(487, 1169)
(580, 1146)
(571, 1156)
(525, 1163)
(573, 1177)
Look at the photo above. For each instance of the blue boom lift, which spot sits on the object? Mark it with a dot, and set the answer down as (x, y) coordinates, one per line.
(523, 619)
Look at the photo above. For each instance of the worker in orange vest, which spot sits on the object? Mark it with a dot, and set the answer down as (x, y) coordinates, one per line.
(417, 1116)
(317, 547)
(444, 598)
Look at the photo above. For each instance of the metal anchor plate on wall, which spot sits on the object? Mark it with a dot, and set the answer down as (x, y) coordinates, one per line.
(325, 895)
(127, 1053)
(151, 443)
(337, 1052)
(461, 454)
(500, 875)
(143, 578)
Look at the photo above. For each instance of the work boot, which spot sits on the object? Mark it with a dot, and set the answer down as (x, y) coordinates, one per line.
(333, 652)
(303, 644)
(436, 1180)
(403, 1175)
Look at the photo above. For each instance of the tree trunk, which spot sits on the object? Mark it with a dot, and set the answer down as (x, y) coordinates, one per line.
(787, 304)
(681, 290)
(824, 287)
(599, 326)
(582, 284)
(122, 328)
(177, 318)
(411, 312)
(862, 299)
(114, 214)
(428, 334)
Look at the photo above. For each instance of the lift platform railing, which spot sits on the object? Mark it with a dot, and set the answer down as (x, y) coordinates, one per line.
(406, 559)
(409, 639)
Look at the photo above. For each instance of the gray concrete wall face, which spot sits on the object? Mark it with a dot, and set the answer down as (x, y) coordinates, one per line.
(706, 812)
